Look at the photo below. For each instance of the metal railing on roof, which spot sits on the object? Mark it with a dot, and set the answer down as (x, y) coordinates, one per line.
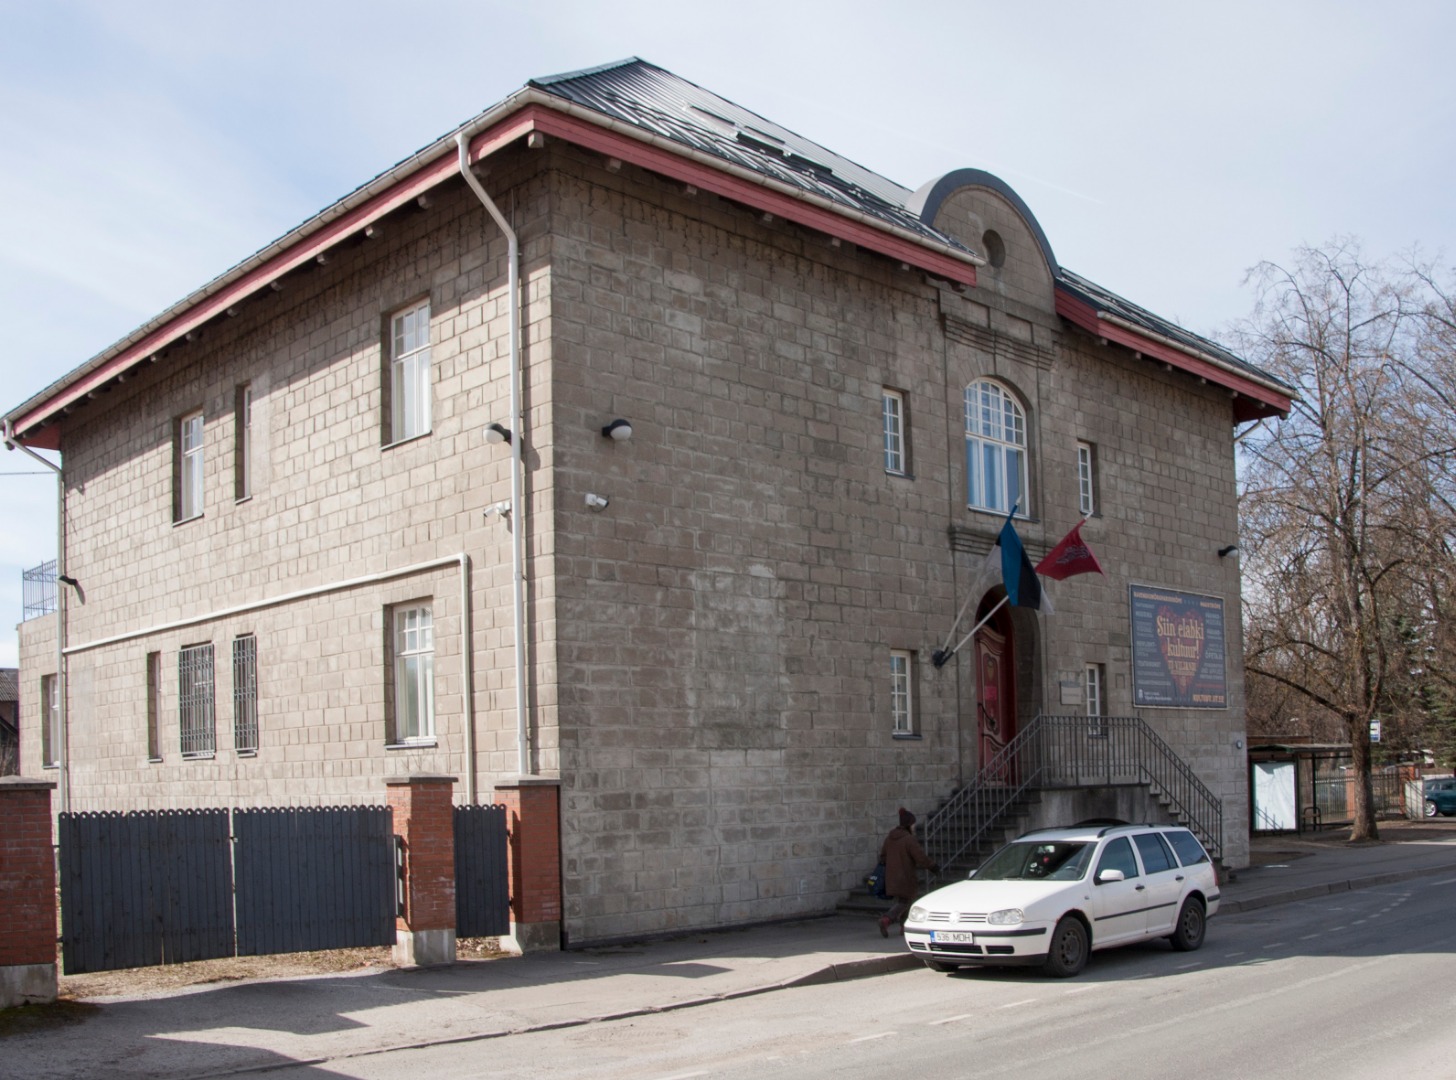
(38, 591)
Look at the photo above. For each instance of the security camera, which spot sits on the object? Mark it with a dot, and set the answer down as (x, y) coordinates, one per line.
(596, 502)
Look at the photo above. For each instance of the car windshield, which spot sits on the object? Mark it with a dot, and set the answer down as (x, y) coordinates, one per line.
(1032, 861)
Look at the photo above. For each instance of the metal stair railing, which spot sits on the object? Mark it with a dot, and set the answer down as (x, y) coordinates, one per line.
(1073, 751)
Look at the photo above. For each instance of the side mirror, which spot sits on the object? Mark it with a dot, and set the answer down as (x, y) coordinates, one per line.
(1104, 876)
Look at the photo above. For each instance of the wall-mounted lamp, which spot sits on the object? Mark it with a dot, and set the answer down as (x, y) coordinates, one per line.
(501, 508)
(497, 433)
(596, 502)
(619, 429)
(1225, 552)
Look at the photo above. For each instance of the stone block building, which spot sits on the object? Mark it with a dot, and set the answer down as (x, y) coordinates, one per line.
(363, 505)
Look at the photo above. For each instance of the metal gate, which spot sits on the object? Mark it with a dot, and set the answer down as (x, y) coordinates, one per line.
(313, 878)
(160, 887)
(482, 889)
(140, 889)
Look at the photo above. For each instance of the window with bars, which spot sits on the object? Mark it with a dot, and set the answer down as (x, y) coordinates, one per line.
(154, 715)
(195, 701)
(896, 445)
(409, 373)
(50, 723)
(902, 698)
(189, 467)
(414, 673)
(245, 694)
(995, 449)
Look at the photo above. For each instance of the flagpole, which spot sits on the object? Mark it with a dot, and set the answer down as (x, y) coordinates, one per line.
(940, 656)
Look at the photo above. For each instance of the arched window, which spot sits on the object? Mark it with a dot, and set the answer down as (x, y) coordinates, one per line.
(995, 449)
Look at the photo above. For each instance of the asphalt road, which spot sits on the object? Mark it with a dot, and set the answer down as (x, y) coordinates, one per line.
(1351, 985)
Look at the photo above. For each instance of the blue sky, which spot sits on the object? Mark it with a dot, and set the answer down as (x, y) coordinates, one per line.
(1165, 148)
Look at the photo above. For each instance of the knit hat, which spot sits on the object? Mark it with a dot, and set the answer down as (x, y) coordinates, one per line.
(907, 819)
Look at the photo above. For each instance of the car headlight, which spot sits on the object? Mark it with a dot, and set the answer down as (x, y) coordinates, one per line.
(917, 914)
(1005, 917)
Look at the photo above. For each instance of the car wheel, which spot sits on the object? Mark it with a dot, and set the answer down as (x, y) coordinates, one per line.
(1068, 954)
(940, 965)
(1432, 809)
(1187, 933)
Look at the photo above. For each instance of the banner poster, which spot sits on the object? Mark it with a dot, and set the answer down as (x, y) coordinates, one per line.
(1177, 649)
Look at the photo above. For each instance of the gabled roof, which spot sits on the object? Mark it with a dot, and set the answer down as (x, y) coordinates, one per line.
(636, 112)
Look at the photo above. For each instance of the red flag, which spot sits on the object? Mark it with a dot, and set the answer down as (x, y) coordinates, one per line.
(1072, 556)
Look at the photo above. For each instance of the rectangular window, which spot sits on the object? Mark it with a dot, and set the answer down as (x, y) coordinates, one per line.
(1094, 690)
(414, 673)
(1086, 485)
(188, 502)
(50, 721)
(896, 460)
(154, 716)
(409, 373)
(243, 448)
(245, 694)
(902, 698)
(195, 701)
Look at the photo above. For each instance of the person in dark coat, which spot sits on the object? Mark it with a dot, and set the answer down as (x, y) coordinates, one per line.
(904, 858)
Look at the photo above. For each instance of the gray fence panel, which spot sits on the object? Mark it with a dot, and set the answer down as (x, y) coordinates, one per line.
(314, 878)
(144, 888)
(482, 884)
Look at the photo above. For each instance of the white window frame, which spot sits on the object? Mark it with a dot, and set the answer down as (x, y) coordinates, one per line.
(50, 733)
(245, 442)
(190, 434)
(1094, 688)
(996, 469)
(892, 408)
(409, 373)
(412, 632)
(1086, 484)
(902, 691)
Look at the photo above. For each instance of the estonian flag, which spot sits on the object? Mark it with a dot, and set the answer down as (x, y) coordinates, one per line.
(1022, 587)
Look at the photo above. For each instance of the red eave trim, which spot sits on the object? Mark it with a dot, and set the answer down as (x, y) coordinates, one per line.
(1254, 401)
(665, 162)
(532, 117)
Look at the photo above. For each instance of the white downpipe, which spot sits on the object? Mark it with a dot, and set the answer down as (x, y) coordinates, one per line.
(518, 436)
(62, 734)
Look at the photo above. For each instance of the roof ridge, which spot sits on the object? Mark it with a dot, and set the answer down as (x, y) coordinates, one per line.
(547, 80)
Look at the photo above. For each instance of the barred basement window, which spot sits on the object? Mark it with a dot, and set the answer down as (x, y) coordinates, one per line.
(245, 694)
(195, 701)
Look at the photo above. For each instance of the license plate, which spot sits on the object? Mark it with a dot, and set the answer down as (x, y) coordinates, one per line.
(953, 937)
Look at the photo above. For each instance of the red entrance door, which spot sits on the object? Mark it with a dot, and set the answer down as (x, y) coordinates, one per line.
(995, 698)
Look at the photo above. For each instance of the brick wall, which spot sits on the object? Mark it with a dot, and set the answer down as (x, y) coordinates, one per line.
(424, 820)
(27, 874)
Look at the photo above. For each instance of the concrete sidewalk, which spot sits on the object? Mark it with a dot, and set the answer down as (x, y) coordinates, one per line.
(256, 1026)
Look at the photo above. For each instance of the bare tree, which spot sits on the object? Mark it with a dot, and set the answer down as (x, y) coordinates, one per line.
(1347, 504)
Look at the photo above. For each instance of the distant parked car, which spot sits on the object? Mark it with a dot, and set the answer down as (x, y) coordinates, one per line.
(1053, 896)
(1440, 795)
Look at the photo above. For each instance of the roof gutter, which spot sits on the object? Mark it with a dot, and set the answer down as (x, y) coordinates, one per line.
(1207, 358)
(60, 735)
(432, 161)
(518, 436)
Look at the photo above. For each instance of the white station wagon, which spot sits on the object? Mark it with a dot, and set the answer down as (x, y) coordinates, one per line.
(1053, 896)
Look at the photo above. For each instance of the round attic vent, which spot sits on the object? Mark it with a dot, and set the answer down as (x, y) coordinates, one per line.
(994, 247)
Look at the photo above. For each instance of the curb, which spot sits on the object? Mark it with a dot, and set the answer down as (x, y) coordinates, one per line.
(1310, 892)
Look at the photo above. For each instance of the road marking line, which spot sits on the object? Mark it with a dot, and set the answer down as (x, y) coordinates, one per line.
(1275, 944)
(1310, 937)
(1448, 881)
(1185, 967)
(862, 1038)
(684, 1076)
(1333, 929)
(1229, 954)
(952, 1019)
(1018, 1004)
(1078, 990)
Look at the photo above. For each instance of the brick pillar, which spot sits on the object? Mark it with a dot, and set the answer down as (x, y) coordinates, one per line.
(27, 893)
(425, 820)
(533, 818)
